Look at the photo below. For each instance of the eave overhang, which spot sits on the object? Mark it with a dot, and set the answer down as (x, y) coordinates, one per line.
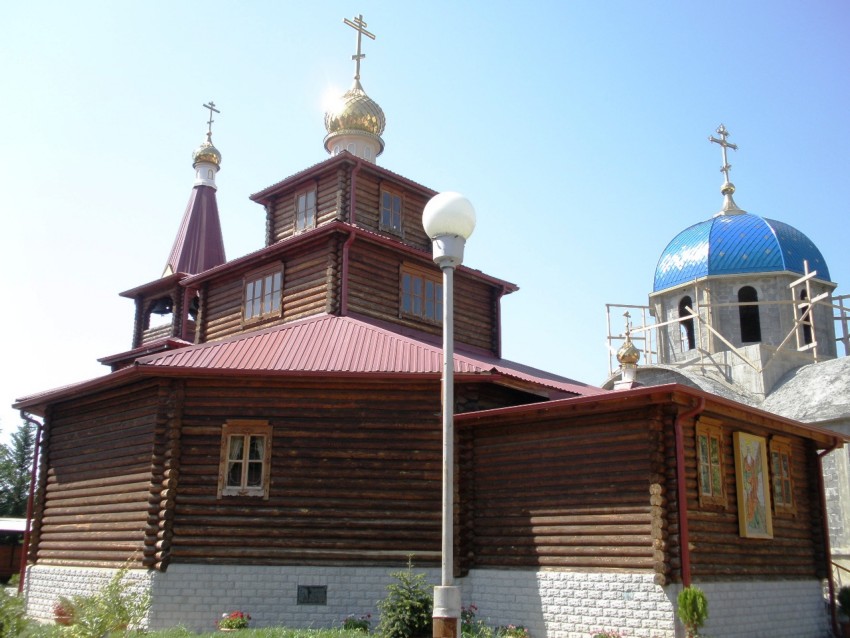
(345, 158)
(263, 255)
(324, 346)
(683, 397)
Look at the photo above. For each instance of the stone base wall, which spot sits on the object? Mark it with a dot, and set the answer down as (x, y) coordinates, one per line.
(560, 604)
(551, 604)
(44, 585)
(792, 609)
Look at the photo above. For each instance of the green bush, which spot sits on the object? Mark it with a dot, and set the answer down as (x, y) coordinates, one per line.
(693, 610)
(407, 609)
(472, 627)
(13, 622)
(110, 609)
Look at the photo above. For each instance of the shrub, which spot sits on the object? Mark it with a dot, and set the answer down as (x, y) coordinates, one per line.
(693, 610)
(357, 623)
(112, 608)
(234, 620)
(470, 626)
(406, 611)
(12, 618)
(512, 631)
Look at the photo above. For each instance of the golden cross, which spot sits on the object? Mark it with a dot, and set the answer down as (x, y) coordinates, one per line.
(721, 130)
(211, 107)
(358, 25)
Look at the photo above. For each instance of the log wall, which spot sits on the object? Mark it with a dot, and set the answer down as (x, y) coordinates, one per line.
(374, 290)
(368, 209)
(96, 479)
(355, 474)
(330, 189)
(718, 552)
(307, 277)
(563, 492)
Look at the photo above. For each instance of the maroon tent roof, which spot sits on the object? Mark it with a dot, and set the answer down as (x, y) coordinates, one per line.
(199, 244)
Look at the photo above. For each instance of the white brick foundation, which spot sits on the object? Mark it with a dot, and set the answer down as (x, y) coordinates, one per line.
(44, 585)
(552, 604)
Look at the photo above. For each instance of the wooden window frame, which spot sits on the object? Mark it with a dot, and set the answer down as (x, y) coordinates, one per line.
(408, 308)
(308, 223)
(247, 429)
(274, 297)
(715, 494)
(392, 193)
(783, 502)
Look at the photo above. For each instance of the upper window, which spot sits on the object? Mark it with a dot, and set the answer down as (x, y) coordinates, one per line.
(780, 470)
(710, 475)
(421, 294)
(687, 325)
(749, 315)
(262, 294)
(391, 209)
(806, 319)
(245, 459)
(305, 210)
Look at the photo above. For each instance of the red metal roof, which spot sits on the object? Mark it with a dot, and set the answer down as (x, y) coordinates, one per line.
(322, 345)
(346, 345)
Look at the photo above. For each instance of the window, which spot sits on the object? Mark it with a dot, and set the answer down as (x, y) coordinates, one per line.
(710, 475)
(780, 471)
(245, 458)
(305, 210)
(262, 295)
(687, 324)
(749, 315)
(806, 320)
(421, 294)
(391, 207)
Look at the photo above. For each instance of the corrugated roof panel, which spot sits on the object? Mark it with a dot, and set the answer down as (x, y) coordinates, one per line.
(345, 345)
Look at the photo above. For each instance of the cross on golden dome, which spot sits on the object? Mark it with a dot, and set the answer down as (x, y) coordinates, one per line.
(358, 25)
(211, 106)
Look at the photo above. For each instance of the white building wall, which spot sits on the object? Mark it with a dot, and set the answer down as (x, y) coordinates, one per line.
(551, 604)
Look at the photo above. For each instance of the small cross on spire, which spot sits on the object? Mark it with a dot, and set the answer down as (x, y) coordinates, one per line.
(211, 107)
(721, 130)
(358, 25)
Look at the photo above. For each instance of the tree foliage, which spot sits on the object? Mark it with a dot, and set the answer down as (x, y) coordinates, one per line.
(15, 470)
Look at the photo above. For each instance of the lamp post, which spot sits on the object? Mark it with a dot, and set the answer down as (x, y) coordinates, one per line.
(449, 220)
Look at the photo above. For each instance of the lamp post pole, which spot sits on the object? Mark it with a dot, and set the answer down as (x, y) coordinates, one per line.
(449, 220)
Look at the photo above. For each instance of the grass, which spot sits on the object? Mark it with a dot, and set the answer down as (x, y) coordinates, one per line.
(267, 632)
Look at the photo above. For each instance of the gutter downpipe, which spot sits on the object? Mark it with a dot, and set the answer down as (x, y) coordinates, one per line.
(31, 499)
(827, 548)
(682, 492)
(352, 219)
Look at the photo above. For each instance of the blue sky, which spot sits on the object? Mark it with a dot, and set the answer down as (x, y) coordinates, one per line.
(577, 129)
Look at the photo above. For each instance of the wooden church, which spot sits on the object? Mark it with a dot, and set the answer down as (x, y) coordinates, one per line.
(272, 442)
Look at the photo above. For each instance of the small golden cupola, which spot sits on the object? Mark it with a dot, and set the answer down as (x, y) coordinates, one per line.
(628, 356)
(206, 160)
(356, 122)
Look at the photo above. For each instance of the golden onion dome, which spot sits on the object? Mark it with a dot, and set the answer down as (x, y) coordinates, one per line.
(355, 112)
(206, 152)
(628, 353)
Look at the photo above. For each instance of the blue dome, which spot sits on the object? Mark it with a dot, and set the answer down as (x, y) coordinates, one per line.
(734, 245)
